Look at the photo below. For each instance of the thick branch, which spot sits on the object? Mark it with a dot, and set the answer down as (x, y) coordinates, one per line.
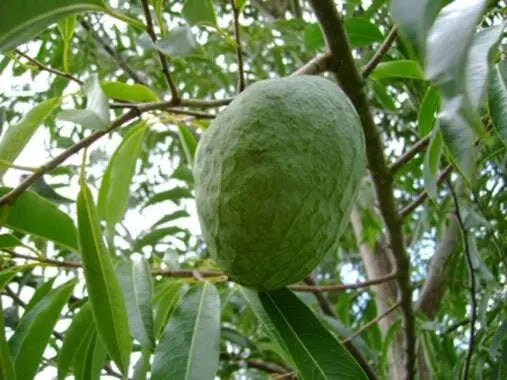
(239, 53)
(162, 57)
(316, 65)
(351, 81)
(342, 287)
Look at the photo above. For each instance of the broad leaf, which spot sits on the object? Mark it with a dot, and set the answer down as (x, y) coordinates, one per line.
(34, 330)
(114, 188)
(428, 110)
(361, 31)
(199, 12)
(431, 163)
(21, 20)
(18, 135)
(178, 42)
(105, 295)
(9, 241)
(314, 351)
(46, 220)
(135, 281)
(189, 347)
(497, 98)
(313, 38)
(128, 92)
(189, 143)
(448, 42)
(6, 362)
(397, 69)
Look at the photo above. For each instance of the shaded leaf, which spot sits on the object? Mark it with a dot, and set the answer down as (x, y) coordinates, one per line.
(86, 118)
(431, 164)
(168, 218)
(198, 12)
(153, 237)
(313, 38)
(361, 31)
(189, 143)
(189, 346)
(21, 20)
(18, 135)
(114, 188)
(40, 293)
(8, 274)
(497, 95)
(167, 297)
(105, 295)
(178, 42)
(175, 195)
(6, 362)
(428, 110)
(46, 220)
(34, 330)
(397, 69)
(82, 358)
(128, 92)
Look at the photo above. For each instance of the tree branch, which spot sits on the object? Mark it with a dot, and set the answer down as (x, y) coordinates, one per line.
(163, 60)
(342, 287)
(316, 65)
(409, 154)
(382, 50)
(43, 260)
(351, 81)
(239, 53)
(473, 301)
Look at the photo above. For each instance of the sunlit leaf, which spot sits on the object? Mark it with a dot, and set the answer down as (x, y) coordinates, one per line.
(8, 274)
(199, 12)
(397, 69)
(128, 92)
(6, 362)
(427, 111)
(189, 346)
(178, 42)
(167, 296)
(105, 295)
(189, 143)
(41, 292)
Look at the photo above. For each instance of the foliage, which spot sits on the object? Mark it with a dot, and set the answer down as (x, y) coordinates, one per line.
(120, 283)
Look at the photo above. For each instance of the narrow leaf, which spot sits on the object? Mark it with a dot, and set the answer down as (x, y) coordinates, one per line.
(128, 92)
(105, 295)
(135, 281)
(8, 274)
(199, 12)
(41, 291)
(82, 358)
(431, 164)
(6, 362)
(189, 347)
(170, 217)
(34, 330)
(17, 136)
(397, 69)
(361, 31)
(315, 352)
(9, 241)
(114, 188)
(46, 220)
(167, 296)
(153, 237)
(175, 195)
(497, 95)
(21, 20)
(189, 143)
(428, 110)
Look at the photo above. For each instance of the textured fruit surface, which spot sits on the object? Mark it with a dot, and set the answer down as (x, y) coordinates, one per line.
(276, 174)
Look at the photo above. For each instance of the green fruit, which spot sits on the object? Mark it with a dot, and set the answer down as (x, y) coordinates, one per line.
(276, 175)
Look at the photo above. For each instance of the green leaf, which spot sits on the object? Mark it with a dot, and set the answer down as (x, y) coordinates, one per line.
(86, 118)
(66, 28)
(41, 291)
(478, 63)
(17, 136)
(414, 18)
(178, 42)
(314, 351)
(313, 38)
(167, 296)
(174, 195)
(431, 164)
(189, 143)
(21, 20)
(497, 98)
(448, 42)
(114, 188)
(128, 92)
(34, 330)
(199, 12)
(361, 31)
(46, 220)
(105, 295)
(397, 69)
(428, 110)
(135, 281)
(168, 218)
(142, 366)
(6, 362)
(8, 274)
(81, 323)
(82, 358)
(189, 346)
(153, 237)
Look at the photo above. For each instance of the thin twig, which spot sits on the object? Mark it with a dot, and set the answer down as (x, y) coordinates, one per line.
(419, 199)
(317, 65)
(112, 52)
(409, 154)
(43, 260)
(473, 301)
(51, 70)
(196, 114)
(342, 287)
(14, 296)
(382, 50)
(239, 53)
(351, 81)
(324, 303)
(370, 323)
(162, 57)
(4, 163)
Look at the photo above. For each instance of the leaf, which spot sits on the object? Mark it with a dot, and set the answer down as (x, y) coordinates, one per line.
(114, 188)
(66, 28)
(135, 281)
(6, 362)
(497, 98)
(313, 38)
(314, 351)
(178, 42)
(189, 346)
(142, 366)
(199, 12)
(17, 136)
(175, 195)
(21, 20)
(414, 18)
(168, 218)
(478, 63)
(128, 92)
(397, 69)
(82, 358)
(105, 295)
(34, 330)
(431, 163)
(86, 118)
(361, 31)
(8, 274)
(427, 112)
(40, 293)
(448, 42)
(153, 237)
(81, 323)
(46, 220)
(168, 297)
(189, 143)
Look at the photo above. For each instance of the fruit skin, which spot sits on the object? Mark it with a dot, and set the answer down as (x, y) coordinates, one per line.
(276, 175)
